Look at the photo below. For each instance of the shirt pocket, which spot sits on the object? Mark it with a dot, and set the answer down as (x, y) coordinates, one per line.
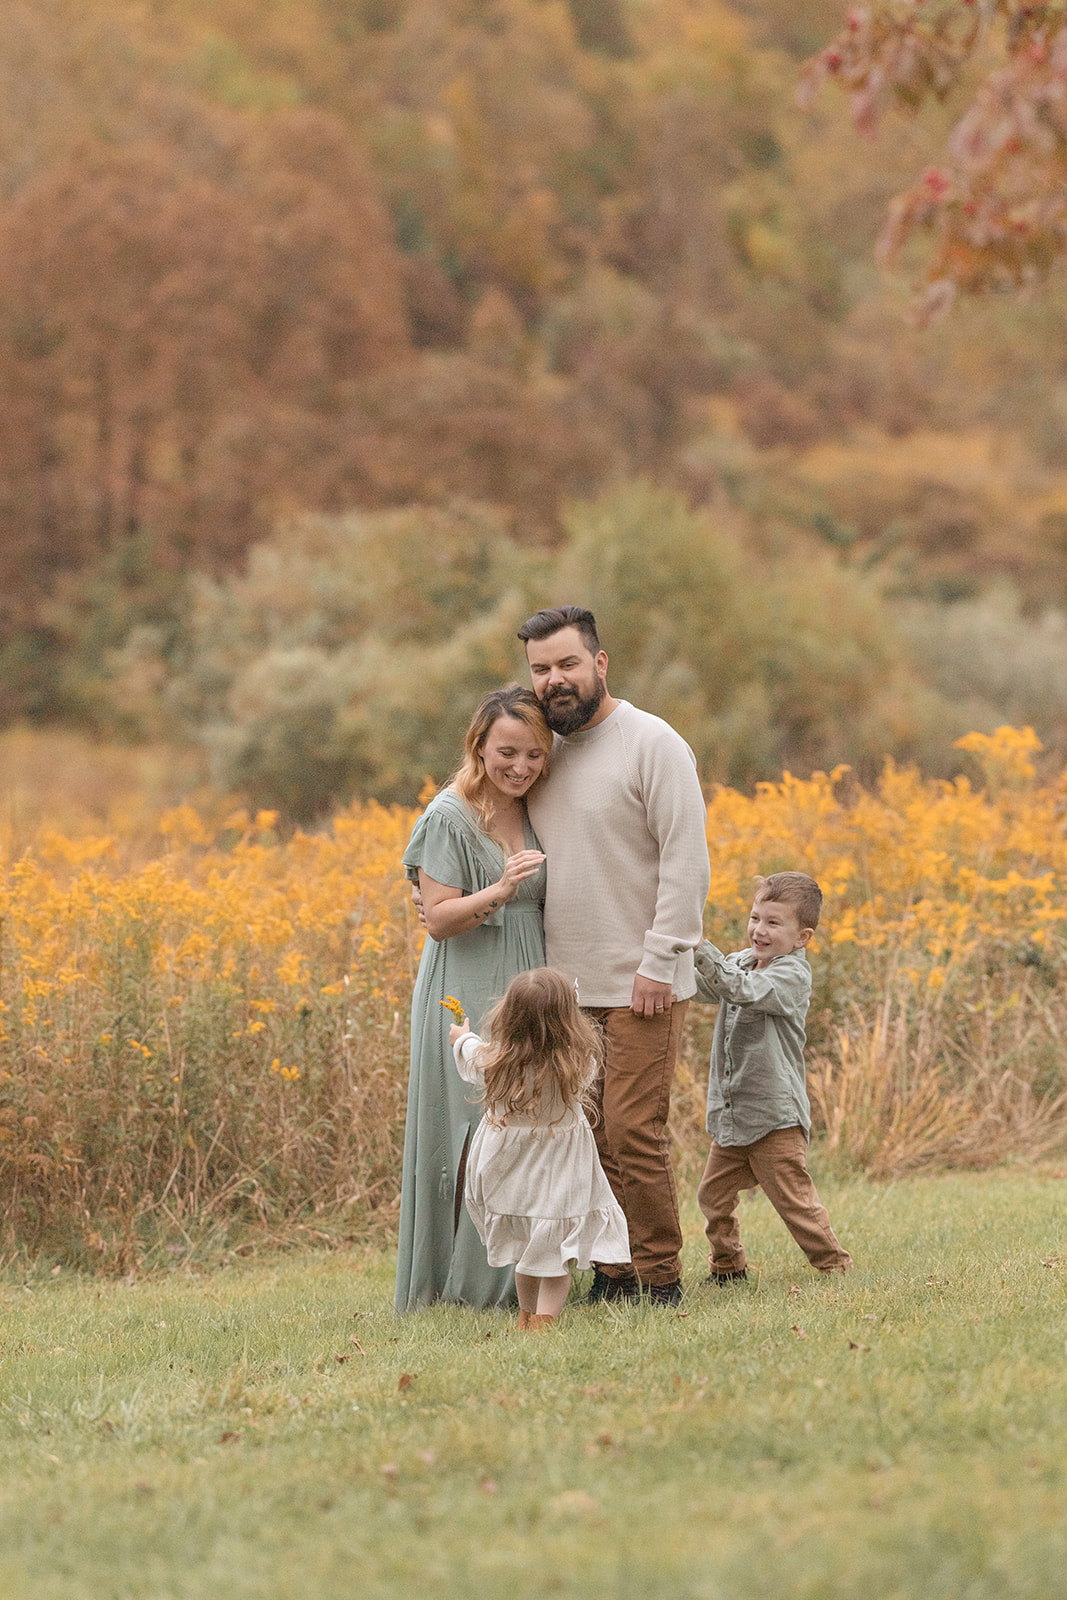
(748, 1027)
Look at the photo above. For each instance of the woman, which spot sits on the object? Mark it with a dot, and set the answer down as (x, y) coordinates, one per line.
(481, 874)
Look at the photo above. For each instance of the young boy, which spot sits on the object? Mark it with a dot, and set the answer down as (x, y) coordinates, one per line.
(758, 1113)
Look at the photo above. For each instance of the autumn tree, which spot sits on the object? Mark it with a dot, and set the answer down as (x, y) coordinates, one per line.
(66, 67)
(181, 311)
(993, 209)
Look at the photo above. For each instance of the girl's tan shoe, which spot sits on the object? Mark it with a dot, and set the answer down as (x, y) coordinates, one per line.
(524, 1320)
(538, 1321)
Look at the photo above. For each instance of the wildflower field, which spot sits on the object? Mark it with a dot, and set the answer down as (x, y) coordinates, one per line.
(203, 1024)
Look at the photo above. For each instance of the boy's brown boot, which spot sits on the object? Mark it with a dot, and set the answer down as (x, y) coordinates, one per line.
(538, 1321)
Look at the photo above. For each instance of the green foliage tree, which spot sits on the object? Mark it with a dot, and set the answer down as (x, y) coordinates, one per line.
(761, 665)
(348, 657)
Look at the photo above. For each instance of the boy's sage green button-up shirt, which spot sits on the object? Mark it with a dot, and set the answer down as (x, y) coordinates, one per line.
(756, 1082)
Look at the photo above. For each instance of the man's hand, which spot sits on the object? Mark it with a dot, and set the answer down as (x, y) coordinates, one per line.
(650, 999)
(416, 900)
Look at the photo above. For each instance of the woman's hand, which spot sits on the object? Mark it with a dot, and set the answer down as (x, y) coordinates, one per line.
(456, 1032)
(522, 865)
(448, 911)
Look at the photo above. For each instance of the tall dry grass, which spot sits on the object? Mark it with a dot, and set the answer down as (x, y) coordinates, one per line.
(204, 1025)
(80, 785)
(939, 1017)
(218, 1033)
(910, 1089)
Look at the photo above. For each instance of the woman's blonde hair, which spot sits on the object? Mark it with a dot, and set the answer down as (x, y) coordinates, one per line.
(469, 780)
(539, 1042)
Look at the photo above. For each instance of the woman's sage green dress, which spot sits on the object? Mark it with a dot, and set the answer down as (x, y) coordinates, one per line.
(440, 1255)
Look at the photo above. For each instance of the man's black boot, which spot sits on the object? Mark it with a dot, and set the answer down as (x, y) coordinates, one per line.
(665, 1294)
(606, 1288)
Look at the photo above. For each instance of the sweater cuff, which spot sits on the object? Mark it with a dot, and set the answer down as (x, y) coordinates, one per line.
(660, 959)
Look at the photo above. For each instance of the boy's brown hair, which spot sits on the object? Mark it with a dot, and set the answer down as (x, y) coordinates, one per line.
(793, 889)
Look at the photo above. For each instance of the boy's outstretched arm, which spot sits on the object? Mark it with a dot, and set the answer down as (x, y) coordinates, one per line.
(706, 958)
(781, 988)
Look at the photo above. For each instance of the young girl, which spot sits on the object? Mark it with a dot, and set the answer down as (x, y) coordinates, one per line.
(535, 1189)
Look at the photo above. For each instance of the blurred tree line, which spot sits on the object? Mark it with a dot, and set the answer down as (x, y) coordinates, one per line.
(335, 335)
(346, 655)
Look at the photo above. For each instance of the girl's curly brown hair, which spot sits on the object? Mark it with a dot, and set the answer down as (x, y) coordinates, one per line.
(540, 1046)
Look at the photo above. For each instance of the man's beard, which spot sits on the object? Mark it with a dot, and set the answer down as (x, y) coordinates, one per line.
(566, 712)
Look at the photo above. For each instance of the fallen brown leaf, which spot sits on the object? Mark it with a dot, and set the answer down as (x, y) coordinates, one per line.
(230, 1437)
(406, 1380)
(798, 1331)
(854, 1346)
(573, 1502)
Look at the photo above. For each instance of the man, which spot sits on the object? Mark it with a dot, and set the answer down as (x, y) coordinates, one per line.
(622, 821)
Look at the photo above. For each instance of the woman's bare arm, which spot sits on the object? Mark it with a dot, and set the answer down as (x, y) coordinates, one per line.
(448, 911)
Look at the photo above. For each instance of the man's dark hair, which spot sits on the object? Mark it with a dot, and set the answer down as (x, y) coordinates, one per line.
(543, 624)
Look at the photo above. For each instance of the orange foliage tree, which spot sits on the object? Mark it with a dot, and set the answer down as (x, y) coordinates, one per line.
(181, 311)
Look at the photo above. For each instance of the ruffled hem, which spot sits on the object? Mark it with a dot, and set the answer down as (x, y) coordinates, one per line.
(545, 1247)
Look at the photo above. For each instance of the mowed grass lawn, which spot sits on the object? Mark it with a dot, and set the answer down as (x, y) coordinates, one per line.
(272, 1430)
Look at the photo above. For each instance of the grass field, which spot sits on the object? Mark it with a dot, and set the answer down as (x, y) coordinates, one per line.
(272, 1430)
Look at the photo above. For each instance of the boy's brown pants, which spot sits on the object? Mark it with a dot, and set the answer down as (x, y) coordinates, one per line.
(779, 1164)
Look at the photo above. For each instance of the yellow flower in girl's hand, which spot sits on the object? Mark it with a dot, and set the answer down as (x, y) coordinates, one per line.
(454, 1006)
